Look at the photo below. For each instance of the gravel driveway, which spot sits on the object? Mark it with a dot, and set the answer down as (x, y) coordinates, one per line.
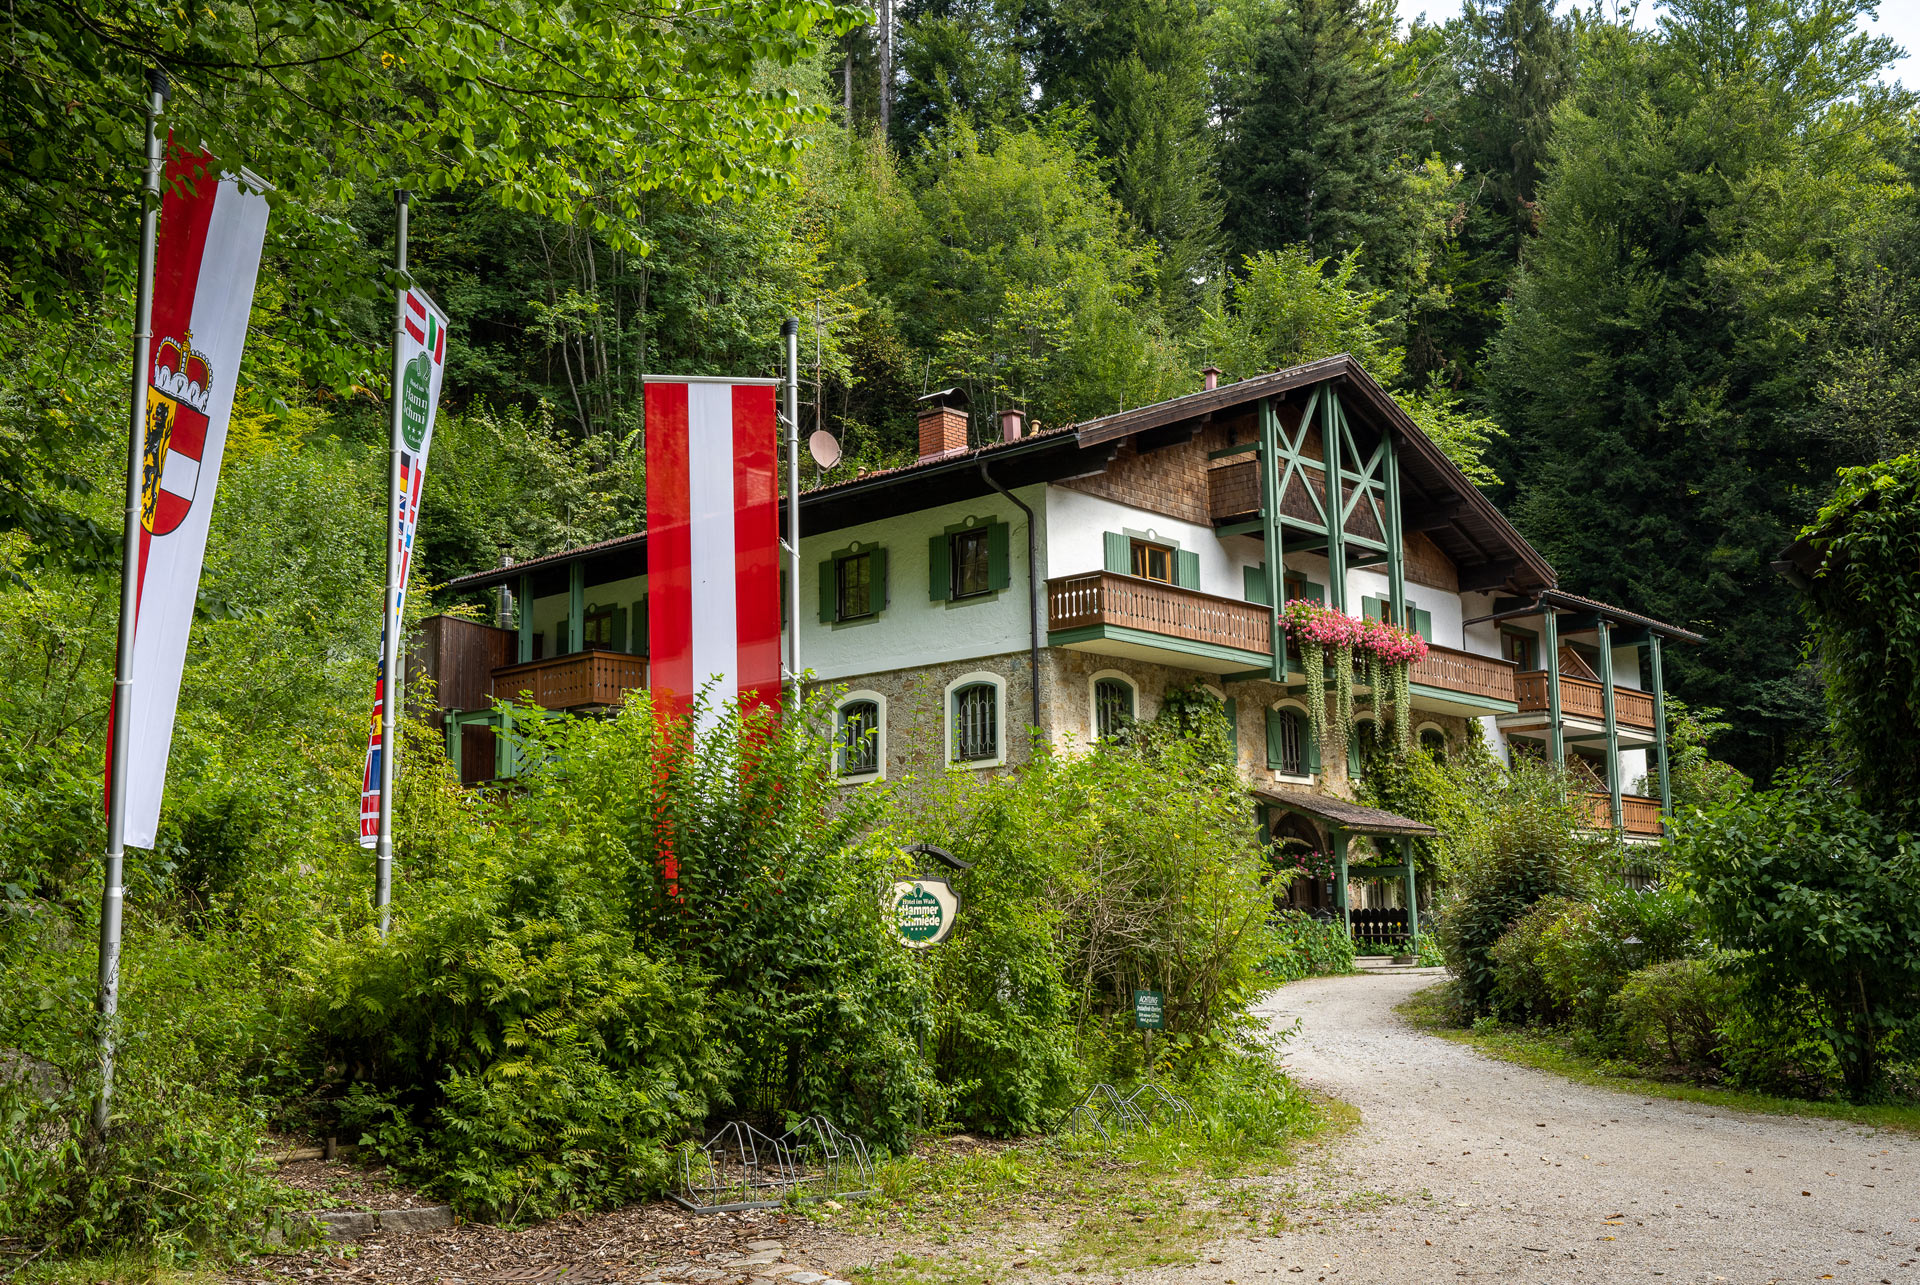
(1465, 1168)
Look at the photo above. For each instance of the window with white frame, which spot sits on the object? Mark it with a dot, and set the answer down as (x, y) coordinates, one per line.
(1113, 705)
(976, 720)
(858, 738)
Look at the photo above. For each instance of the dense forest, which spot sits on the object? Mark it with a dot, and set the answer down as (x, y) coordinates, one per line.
(1650, 287)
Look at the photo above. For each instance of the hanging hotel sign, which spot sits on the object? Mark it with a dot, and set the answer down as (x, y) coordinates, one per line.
(922, 911)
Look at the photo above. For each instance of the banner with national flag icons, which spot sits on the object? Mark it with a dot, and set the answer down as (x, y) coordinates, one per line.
(713, 545)
(423, 360)
(206, 258)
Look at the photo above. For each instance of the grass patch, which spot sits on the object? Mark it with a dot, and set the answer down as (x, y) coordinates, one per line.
(1061, 1206)
(1549, 1050)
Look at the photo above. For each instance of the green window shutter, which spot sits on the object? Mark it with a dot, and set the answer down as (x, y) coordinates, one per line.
(1232, 708)
(879, 581)
(642, 629)
(1276, 743)
(1312, 753)
(1119, 553)
(1422, 622)
(939, 568)
(620, 641)
(999, 573)
(1186, 568)
(1373, 608)
(829, 604)
(1255, 580)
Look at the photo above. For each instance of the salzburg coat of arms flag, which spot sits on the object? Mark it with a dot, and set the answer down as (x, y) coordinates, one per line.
(205, 261)
(713, 544)
(423, 360)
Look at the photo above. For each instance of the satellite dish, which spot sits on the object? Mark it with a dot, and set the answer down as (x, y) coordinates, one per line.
(824, 447)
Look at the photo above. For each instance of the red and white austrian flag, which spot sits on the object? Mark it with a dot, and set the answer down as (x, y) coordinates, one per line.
(713, 551)
(423, 361)
(206, 259)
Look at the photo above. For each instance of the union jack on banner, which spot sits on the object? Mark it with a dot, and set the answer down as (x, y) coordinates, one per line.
(423, 354)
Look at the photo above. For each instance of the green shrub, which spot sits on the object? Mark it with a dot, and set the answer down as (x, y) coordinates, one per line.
(1521, 992)
(1671, 1013)
(1298, 945)
(1588, 953)
(1819, 898)
(1522, 845)
(1769, 1046)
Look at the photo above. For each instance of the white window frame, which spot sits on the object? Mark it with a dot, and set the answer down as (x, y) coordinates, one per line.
(1306, 734)
(999, 685)
(879, 741)
(1093, 699)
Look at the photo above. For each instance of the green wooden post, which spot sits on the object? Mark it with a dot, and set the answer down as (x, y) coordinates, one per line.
(1550, 645)
(1396, 552)
(1660, 727)
(1613, 726)
(576, 607)
(1413, 903)
(1269, 462)
(523, 617)
(1330, 422)
(454, 738)
(1340, 878)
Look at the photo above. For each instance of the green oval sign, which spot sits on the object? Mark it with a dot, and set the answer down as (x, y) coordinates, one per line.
(416, 400)
(921, 911)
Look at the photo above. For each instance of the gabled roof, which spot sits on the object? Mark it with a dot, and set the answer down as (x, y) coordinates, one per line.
(1457, 517)
(1354, 818)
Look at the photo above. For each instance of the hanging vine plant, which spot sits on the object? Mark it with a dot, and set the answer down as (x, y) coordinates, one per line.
(1325, 636)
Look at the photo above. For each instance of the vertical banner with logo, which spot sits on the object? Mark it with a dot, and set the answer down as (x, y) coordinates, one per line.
(423, 356)
(713, 542)
(205, 261)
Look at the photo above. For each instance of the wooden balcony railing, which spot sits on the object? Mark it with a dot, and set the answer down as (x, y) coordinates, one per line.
(1108, 598)
(1464, 672)
(573, 682)
(1580, 698)
(1638, 815)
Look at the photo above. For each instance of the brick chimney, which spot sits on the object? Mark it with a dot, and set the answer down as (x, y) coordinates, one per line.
(943, 424)
(1010, 425)
(1212, 374)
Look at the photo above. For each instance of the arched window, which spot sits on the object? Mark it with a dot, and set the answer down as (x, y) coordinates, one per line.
(1288, 749)
(859, 738)
(1113, 706)
(976, 723)
(1434, 742)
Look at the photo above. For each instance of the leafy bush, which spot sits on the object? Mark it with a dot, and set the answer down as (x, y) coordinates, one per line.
(1520, 846)
(1298, 945)
(1819, 898)
(1587, 955)
(1672, 1012)
(1521, 991)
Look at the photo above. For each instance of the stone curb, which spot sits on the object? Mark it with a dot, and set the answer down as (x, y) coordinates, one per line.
(358, 1224)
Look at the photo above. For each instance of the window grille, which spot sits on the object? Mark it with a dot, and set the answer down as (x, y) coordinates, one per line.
(976, 730)
(1291, 761)
(1112, 707)
(859, 738)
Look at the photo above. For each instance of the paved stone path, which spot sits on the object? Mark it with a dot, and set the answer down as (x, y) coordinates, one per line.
(1466, 1168)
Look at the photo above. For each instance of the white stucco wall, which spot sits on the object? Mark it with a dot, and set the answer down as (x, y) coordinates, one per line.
(914, 630)
(1077, 524)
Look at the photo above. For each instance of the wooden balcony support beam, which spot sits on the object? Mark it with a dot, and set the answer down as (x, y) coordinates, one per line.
(1396, 579)
(1550, 659)
(1331, 424)
(1611, 714)
(523, 618)
(1660, 726)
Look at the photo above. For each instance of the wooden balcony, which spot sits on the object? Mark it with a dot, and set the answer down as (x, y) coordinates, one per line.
(1639, 815)
(1465, 673)
(1581, 698)
(1104, 607)
(581, 680)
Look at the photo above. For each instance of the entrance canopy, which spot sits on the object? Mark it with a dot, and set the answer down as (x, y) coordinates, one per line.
(1353, 818)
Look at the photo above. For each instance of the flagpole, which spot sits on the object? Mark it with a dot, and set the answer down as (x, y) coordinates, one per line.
(390, 632)
(112, 894)
(790, 331)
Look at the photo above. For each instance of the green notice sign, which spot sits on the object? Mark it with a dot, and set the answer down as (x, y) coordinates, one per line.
(1149, 1010)
(922, 911)
(416, 400)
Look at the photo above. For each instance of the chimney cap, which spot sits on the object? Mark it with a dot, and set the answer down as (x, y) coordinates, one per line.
(955, 398)
(1210, 369)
